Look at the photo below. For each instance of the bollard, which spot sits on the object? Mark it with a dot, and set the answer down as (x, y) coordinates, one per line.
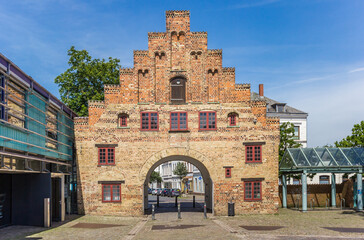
(327, 203)
(179, 211)
(175, 202)
(312, 203)
(47, 213)
(69, 205)
(157, 200)
(194, 202)
(298, 203)
(204, 210)
(342, 200)
(153, 213)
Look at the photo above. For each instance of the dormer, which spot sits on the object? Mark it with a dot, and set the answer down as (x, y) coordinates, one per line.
(279, 107)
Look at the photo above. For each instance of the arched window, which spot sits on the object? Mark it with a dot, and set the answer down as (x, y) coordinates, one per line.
(123, 120)
(233, 119)
(178, 91)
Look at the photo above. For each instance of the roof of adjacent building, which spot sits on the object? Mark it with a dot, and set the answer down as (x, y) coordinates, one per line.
(20, 75)
(271, 110)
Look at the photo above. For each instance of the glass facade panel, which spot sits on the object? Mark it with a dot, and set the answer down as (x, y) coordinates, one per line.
(316, 159)
(16, 106)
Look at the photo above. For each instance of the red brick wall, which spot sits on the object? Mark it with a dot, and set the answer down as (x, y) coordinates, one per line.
(146, 87)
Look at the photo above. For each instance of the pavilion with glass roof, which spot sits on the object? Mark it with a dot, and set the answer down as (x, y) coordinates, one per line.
(322, 160)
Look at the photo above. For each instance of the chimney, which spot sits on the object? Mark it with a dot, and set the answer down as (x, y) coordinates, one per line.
(261, 90)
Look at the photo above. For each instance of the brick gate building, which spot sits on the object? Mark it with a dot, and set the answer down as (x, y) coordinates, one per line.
(177, 103)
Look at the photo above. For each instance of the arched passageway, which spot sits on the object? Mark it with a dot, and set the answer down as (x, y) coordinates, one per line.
(208, 196)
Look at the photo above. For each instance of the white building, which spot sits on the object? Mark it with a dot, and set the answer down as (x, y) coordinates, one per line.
(298, 118)
(198, 183)
(169, 179)
(286, 113)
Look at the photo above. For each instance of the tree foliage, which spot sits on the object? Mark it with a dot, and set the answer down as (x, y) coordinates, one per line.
(356, 139)
(155, 177)
(180, 170)
(85, 79)
(286, 138)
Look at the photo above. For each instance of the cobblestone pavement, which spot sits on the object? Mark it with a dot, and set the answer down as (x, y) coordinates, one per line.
(295, 225)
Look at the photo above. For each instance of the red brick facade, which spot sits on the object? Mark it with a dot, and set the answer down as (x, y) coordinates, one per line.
(178, 52)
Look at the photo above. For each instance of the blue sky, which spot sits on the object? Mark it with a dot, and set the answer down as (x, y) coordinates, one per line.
(307, 53)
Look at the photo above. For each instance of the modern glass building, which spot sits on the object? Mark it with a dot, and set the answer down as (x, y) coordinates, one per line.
(36, 150)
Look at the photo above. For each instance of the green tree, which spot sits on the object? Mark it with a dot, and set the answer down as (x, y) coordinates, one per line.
(85, 79)
(180, 170)
(287, 138)
(155, 177)
(287, 141)
(356, 139)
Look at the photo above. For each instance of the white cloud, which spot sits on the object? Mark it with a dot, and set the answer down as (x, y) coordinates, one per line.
(333, 107)
(250, 3)
(357, 70)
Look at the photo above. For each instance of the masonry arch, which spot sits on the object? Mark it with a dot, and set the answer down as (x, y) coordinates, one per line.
(195, 158)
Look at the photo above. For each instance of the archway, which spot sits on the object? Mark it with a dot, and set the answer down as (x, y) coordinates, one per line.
(202, 168)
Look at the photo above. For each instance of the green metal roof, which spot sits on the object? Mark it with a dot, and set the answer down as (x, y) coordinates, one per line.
(322, 160)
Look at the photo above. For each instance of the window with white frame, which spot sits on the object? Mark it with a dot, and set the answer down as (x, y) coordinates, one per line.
(296, 135)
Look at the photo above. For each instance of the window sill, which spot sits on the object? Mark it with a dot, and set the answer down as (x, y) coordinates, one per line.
(179, 131)
(247, 200)
(162, 103)
(233, 126)
(196, 103)
(123, 127)
(144, 130)
(213, 102)
(142, 103)
(101, 165)
(111, 201)
(171, 103)
(207, 130)
(253, 162)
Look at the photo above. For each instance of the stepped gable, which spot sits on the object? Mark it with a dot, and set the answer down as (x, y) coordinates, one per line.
(177, 52)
